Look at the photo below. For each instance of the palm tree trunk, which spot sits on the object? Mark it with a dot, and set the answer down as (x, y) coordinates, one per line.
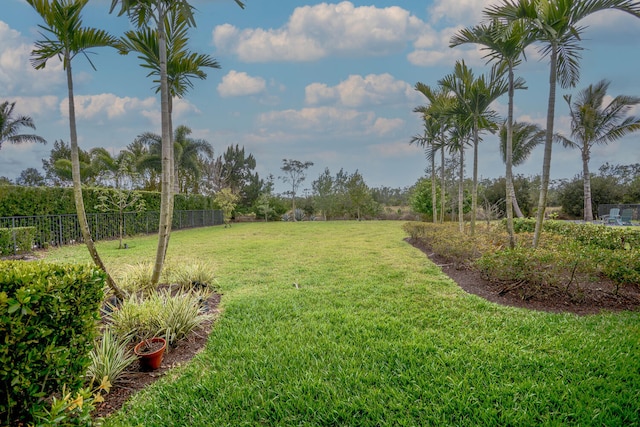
(166, 194)
(442, 185)
(461, 191)
(434, 199)
(514, 199)
(474, 191)
(548, 145)
(77, 185)
(509, 201)
(586, 177)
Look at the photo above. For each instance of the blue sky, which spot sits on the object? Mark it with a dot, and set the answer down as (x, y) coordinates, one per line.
(330, 83)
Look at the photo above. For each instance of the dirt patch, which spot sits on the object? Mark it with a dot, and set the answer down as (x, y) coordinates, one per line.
(590, 298)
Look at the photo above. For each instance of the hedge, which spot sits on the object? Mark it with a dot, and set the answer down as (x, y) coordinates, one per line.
(28, 201)
(48, 318)
(16, 240)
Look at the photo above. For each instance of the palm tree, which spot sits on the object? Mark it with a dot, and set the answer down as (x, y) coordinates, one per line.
(475, 96)
(187, 154)
(525, 137)
(64, 39)
(156, 11)
(10, 126)
(504, 46)
(555, 24)
(113, 169)
(593, 122)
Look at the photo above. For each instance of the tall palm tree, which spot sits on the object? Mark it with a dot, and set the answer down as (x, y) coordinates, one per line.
(505, 46)
(64, 38)
(142, 12)
(187, 154)
(475, 96)
(437, 122)
(555, 24)
(10, 126)
(525, 137)
(113, 169)
(594, 122)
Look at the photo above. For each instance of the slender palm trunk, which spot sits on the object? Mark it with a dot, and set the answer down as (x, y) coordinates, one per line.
(77, 185)
(514, 199)
(166, 193)
(434, 198)
(442, 185)
(509, 200)
(461, 191)
(586, 177)
(474, 191)
(548, 145)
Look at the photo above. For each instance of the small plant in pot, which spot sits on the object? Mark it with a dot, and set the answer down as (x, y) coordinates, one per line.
(150, 352)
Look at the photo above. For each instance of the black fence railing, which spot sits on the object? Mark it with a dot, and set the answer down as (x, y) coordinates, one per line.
(58, 230)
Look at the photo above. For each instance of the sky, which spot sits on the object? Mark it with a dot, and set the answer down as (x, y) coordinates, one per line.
(327, 82)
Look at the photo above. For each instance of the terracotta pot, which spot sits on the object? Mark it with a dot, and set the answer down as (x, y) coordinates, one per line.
(150, 360)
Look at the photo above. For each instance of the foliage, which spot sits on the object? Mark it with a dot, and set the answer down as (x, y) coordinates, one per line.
(226, 200)
(194, 276)
(421, 200)
(10, 125)
(172, 317)
(120, 200)
(110, 356)
(47, 327)
(73, 409)
(16, 240)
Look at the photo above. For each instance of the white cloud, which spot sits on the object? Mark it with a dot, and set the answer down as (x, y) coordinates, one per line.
(321, 119)
(396, 149)
(357, 91)
(314, 32)
(35, 105)
(384, 126)
(460, 12)
(109, 106)
(240, 84)
(16, 73)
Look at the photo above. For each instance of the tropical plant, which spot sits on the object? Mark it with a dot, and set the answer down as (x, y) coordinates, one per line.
(10, 125)
(65, 38)
(226, 200)
(504, 47)
(525, 137)
(110, 356)
(475, 96)
(142, 12)
(596, 121)
(555, 24)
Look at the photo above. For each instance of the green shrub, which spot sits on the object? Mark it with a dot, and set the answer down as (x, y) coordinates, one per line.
(48, 317)
(16, 240)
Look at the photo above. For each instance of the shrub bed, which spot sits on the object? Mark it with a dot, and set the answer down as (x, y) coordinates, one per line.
(48, 316)
(16, 240)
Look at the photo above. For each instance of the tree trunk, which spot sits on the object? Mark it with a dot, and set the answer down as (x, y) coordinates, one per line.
(461, 191)
(434, 199)
(474, 190)
(548, 145)
(514, 199)
(166, 193)
(77, 185)
(586, 177)
(510, 200)
(442, 185)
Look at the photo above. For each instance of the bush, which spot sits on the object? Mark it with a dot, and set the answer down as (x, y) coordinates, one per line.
(48, 317)
(16, 240)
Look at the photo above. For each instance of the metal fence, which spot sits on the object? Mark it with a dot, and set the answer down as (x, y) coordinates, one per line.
(58, 230)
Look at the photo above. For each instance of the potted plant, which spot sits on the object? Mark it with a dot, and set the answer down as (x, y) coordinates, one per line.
(150, 352)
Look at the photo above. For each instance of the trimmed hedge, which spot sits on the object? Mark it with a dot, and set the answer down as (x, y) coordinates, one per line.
(24, 238)
(29, 201)
(48, 318)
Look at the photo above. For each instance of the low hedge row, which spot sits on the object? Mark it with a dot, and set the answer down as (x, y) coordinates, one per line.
(16, 240)
(48, 316)
(592, 252)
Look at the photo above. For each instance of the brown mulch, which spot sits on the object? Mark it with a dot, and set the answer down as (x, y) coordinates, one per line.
(594, 298)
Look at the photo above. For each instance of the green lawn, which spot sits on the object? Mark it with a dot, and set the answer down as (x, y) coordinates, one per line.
(374, 335)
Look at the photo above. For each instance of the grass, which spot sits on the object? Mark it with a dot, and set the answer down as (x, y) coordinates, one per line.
(374, 335)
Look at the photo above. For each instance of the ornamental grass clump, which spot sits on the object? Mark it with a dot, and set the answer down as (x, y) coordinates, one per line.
(196, 276)
(110, 357)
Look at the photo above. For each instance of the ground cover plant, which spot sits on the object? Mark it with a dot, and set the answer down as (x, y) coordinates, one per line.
(345, 323)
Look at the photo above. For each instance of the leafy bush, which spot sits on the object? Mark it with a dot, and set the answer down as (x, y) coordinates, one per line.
(48, 315)
(16, 240)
